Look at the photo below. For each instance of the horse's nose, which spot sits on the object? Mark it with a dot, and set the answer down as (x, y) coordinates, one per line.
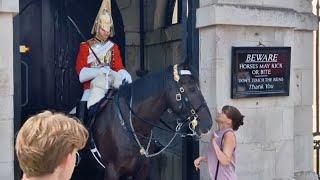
(205, 130)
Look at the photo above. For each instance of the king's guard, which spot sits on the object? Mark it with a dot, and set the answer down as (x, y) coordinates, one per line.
(101, 69)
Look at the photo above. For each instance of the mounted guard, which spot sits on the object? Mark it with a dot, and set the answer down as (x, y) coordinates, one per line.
(99, 63)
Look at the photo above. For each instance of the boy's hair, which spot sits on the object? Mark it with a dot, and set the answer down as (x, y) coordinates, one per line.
(45, 140)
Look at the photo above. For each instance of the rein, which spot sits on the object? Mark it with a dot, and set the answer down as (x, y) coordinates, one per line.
(191, 119)
(145, 151)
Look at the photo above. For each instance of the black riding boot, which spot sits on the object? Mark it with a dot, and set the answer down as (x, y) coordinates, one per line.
(82, 111)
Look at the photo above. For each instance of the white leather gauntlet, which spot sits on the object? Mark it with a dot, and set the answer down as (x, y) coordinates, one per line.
(125, 75)
(87, 74)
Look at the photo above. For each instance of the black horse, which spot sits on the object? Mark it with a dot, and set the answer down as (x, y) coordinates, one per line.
(122, 129)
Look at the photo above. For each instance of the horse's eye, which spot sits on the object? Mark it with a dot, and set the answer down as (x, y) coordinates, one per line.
(191, 81)
(192, 89)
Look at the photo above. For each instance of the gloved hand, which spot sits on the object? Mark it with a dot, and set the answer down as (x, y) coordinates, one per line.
(105, 70)
(87, 73)
(126, 77)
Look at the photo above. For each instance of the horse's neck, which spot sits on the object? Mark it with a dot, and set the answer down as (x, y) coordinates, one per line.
(148, 98)
(150, 110)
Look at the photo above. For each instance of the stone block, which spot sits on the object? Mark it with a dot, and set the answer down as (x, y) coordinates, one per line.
(254, 128)
(6, 152)
(222, 14)
(288, 124)
(204, 3)
(242, 2)
(307, 88)
(9, 6)
(265, 125)
(204, 174)
(303, 120)
(132, 39)
(6, 52)
(289, 4)
(207, 69)
(302, 50)
(256, 34)
(284, 37)
(284, 160)
(133, 60)
(130, 15)
(263, 102)
(158, 61)
(250, 176)
(250, 161)
(268, 168)
(6, 81)
(304, 5)
(207, 80)
(303, 153)
(6, 171)
(223, 81)
(173, 57)
(207, 43)
(274, 124)
(296, 86)
(309, 175)
(6, 105)
(298, 5)
(123, 4)
(160, 36)
(302, 87)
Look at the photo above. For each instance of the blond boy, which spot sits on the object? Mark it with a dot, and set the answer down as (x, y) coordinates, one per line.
(47, 146)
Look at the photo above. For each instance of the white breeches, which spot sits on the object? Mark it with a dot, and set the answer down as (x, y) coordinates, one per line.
(98, 88)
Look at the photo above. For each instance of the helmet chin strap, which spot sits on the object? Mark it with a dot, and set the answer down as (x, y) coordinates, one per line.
(99, 38)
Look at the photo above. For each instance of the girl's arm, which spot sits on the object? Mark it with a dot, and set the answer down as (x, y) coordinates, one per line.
(228, 144)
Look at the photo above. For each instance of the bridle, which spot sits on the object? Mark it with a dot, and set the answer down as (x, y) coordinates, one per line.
(191, 118)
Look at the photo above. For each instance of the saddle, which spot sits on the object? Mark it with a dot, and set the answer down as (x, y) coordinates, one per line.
(96, 108)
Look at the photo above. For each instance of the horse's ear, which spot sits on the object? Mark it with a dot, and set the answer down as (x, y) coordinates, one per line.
(186, 64)
(169, 68)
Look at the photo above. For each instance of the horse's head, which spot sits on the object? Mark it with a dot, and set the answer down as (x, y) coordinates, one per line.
(186, 100)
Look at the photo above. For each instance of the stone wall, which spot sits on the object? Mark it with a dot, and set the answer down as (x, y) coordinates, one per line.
(276, 139)
(163, 45)
(7, 10)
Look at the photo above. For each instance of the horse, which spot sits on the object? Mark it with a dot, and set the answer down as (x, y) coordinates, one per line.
(122, 129)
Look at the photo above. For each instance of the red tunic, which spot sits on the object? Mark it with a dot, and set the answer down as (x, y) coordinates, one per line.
(82, 61)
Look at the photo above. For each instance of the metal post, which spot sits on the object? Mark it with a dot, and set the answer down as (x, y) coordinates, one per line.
(142, 65)
(317, 73)
(142, 71)
(317, 161)
(316, 147)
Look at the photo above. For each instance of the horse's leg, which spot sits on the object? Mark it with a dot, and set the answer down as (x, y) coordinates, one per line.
(111, 173)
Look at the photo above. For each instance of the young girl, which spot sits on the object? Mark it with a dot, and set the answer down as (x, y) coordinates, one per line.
(222, 147)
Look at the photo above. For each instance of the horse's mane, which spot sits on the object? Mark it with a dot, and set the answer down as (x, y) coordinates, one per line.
(149, 85)
(146, 86)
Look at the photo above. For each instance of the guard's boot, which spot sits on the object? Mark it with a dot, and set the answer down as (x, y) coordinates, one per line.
(82, 111)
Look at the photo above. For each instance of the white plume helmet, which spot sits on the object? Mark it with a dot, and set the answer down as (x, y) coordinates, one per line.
(104, 19)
